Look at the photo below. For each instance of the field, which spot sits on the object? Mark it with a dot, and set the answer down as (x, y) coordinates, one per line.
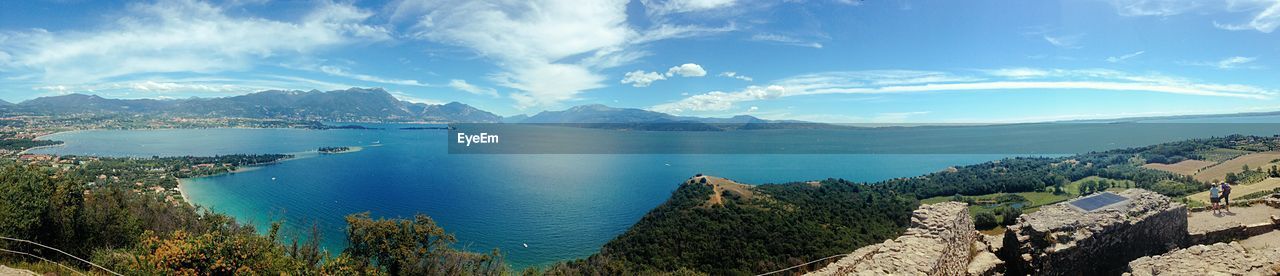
(1186, 167)
(1035, 199)
(1220, 154)
(1238, 191)
(1254, 160)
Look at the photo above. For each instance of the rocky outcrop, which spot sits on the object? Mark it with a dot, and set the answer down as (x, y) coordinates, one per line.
(1062, 240)
(939, 242)
(9, 271)
(1216, 259)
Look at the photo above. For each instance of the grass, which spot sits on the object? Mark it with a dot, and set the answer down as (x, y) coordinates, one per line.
(1034, 199)
(1254, 160)
(46, 268)
(1239, 191)
(1186, 167)
(1218, 155)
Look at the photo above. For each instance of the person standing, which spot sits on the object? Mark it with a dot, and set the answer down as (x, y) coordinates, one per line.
(1226, 196)
(1213, 198)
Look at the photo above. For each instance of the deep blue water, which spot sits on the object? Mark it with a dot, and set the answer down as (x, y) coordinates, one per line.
(562, 206)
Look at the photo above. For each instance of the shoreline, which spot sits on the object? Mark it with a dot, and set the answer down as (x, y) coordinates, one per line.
(182, 182)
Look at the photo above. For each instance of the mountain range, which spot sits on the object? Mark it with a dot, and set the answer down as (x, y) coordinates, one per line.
(355, 104)
(368, 104)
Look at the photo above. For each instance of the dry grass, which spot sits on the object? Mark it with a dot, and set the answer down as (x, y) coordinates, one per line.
(720, 185)
(1186, 167)
(1238, 191)
(1219, 171)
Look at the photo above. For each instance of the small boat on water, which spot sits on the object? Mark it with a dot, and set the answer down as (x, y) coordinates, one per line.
(525, 245)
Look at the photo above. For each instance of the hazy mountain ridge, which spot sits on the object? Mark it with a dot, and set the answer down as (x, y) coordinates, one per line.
(355, 104)
(601, 116)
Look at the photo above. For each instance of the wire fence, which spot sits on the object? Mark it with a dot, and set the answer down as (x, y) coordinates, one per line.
(55, 250)
(800, 265)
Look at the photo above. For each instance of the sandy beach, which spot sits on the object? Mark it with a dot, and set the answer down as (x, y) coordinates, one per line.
(182, 190)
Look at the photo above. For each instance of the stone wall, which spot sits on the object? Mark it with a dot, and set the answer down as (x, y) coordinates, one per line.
(938, 243)
(1238, 232)
(1061, 240)
(1216, 259)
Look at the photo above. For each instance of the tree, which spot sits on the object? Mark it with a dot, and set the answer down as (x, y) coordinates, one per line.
(1010, 215)
(984, 220)
(24, 201)
(412, 247)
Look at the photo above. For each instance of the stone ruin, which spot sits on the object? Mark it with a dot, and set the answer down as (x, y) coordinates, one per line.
(1216, 259)
(1140, 235)
(937, 243)
(1064, 240)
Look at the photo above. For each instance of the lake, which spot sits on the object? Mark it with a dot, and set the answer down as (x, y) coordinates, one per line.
(563, 206)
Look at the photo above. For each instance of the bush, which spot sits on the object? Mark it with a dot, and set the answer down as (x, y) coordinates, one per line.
(1010, 215)
(984, 220)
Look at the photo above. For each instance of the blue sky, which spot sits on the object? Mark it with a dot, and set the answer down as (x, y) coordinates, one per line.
(831, 61)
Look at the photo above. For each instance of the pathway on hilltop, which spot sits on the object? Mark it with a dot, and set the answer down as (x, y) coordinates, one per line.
(1207, 220)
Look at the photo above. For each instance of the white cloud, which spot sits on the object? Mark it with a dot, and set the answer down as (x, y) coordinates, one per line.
(462, 85)
(640, 78)
(181, 36)
(1229, 63)
(1265, 20)
(902, 81)
(401, 95)
(1124, 57)
(154, 88)
(1233, 62)
(720, 101)
(549, 51)
(735, 75)
(1154, 7)
(687, 70)
(1264, 14)
(1018, 73)
(342, 72)
(1064, 41)
(787, 40)
(682, 6)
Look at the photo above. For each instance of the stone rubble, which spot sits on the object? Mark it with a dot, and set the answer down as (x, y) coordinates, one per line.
(938, 243)
(1217, 259)
(1062, 240)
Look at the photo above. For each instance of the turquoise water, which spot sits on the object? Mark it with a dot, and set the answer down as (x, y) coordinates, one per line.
(562, 206)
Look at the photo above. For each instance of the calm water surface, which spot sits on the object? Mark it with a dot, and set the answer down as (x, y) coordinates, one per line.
(562, 206)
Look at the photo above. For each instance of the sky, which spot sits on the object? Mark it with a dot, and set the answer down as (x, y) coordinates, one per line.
(840, 61)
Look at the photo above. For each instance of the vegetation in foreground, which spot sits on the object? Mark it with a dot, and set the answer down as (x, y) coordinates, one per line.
(136, 232)
(759, 229)
(681, 236)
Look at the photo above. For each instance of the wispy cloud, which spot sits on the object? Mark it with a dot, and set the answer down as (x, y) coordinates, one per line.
(343, 72)
(786, 40)
(1155, 7)
(1266, 18)
(899, 82)
(463, 85)
(183, 36)
(1064, 41)
(1118, 59)
(735, 75)
(1228, 63)
(548, 51)
(662, 7)
(1263, 15)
